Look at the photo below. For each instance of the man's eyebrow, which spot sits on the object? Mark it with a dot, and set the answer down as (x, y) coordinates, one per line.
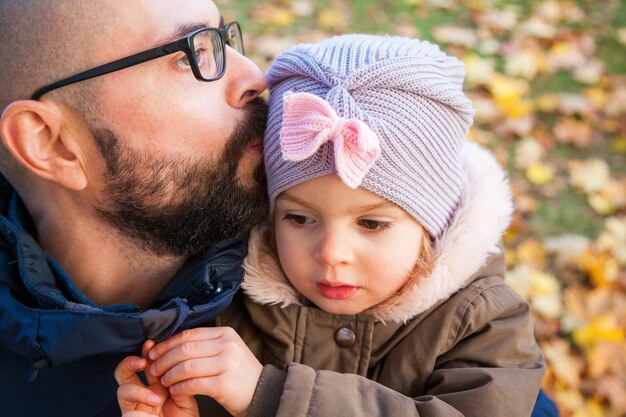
(186, 29)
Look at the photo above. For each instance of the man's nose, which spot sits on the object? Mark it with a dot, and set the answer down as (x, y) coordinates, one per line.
(245, 79)
(333, 248)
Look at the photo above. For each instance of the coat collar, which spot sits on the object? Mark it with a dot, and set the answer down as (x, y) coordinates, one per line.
(472, 238)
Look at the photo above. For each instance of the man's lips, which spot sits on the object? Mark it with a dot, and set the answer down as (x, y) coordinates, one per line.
(336, 290)
(256, 147)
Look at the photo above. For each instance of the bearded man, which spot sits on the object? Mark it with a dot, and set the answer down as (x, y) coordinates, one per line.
(131, 167)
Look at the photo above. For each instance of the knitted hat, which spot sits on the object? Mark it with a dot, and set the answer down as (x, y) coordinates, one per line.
(392, 118)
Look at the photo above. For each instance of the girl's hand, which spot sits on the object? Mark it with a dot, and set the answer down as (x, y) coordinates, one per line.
(212, 361)
(137, 400)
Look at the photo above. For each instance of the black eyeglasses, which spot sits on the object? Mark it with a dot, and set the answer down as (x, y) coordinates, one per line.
(205, 54)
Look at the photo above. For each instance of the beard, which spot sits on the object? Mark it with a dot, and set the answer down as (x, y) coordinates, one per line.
(178, 206)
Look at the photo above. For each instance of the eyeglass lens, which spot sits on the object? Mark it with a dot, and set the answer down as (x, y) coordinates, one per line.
(209, 53)
(209, 50)
(234, 37)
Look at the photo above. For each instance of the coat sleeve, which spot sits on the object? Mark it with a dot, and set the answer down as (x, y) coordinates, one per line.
(491, 366)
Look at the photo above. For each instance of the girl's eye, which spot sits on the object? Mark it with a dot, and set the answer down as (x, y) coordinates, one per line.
(373, 225)
(298, 219)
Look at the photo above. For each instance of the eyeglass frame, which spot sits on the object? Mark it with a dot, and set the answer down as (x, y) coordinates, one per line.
(181, 45)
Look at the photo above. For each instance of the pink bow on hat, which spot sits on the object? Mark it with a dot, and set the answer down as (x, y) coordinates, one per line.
(309, 122)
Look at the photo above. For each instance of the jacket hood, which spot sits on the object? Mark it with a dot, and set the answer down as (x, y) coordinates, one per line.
(471, 239)
(45, 317)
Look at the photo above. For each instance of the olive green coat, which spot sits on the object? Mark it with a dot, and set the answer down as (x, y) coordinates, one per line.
(458, 344)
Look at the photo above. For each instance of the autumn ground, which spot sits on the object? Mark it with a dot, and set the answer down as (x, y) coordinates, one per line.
(548, 80)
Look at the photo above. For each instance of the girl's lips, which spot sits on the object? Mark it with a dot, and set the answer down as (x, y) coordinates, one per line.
(336, 292)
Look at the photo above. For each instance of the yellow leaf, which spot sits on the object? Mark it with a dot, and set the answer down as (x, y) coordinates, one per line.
(539, 174)
(544, 284)
(601, 328)
(601, 267)
(548, 103)
(283, 18)
(511, 259)
(592, 408)
(620, 35)
(329, 18)
(618, 144)
(565, 54)
(532, 251)
(506, 89)
(601, 204)
(596, 95)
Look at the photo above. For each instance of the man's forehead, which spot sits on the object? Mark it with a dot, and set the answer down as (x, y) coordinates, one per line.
(148, 23)
(175, 20)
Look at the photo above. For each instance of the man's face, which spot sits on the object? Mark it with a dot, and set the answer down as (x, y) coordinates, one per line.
(182, 162)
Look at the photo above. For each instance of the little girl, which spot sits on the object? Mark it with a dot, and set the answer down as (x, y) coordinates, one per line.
(376, 286)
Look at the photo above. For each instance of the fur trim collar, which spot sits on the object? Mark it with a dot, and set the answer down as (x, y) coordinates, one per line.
(473, 235)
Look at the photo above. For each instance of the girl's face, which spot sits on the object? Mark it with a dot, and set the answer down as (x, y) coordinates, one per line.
(345, 250)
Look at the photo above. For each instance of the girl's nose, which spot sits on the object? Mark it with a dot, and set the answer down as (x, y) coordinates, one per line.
(334, 248)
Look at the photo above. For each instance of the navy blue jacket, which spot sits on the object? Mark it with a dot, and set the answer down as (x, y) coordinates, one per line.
(58, 350)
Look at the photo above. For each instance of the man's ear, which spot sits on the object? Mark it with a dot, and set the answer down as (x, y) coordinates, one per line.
(35, 134)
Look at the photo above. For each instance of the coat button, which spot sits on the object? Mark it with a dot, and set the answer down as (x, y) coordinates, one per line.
(344, 337)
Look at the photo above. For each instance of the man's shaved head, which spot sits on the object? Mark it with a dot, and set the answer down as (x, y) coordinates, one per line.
(43, 41)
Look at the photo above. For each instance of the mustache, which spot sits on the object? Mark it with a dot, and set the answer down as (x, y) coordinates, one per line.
(250, 130)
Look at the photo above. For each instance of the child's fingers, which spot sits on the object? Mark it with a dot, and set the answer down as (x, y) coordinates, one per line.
(191, 335)
(193, 368)
(126, 370)
(136, 413)
(129, 396)
(196, 386)
(147, 345)
(185, 352)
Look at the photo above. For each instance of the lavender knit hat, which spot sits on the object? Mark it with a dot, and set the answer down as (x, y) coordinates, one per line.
(407, 92)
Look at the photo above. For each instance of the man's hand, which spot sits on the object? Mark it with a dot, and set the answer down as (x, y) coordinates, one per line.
(212, 361)
(137, 400)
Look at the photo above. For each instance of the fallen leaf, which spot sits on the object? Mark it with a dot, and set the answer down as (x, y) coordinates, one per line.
(566, 366)
(620, 35)
(537, 28)
(576, 132)
(590, 176)
(455, 35)
(613, 238)
(601, 267)
(478, 70)
(613, 389)
(539, 174)
(567, 248)
(528, 152)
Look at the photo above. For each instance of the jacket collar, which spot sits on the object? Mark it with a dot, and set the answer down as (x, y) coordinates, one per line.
(38, 297)
(468, 245)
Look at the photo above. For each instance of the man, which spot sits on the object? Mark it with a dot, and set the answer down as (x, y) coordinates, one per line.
(121, 179)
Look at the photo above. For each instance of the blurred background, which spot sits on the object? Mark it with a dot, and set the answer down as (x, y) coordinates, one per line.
(548, 81)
